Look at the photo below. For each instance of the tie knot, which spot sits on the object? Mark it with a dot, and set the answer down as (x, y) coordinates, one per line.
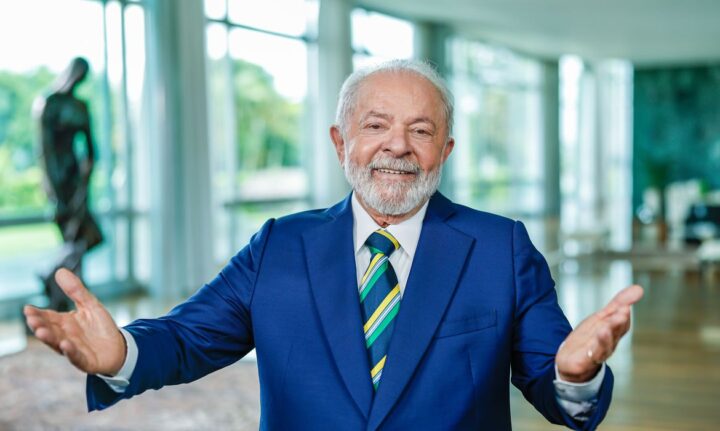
(381, 241)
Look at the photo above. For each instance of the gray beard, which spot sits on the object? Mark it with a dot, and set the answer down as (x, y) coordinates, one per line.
(392, 197)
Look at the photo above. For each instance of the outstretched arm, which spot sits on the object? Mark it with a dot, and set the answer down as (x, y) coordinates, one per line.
(544, 342)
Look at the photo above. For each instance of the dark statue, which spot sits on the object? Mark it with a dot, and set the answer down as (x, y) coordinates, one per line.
(64, 119)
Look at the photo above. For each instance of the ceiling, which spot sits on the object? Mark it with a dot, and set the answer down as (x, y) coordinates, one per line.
(647, 32)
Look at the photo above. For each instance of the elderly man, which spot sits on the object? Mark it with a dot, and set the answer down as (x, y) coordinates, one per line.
(394, 309)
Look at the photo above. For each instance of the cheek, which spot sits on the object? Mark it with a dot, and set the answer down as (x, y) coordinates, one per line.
(429, 158)
(362, 152)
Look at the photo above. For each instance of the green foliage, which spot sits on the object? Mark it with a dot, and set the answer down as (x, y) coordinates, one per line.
(17, 126)
(19, 189)
(20, 176)
(267, 125)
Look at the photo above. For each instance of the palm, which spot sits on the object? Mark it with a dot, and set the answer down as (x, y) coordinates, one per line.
(595, 339)
(88, 336)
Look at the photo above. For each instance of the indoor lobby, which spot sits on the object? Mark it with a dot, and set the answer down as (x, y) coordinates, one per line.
(597, 124)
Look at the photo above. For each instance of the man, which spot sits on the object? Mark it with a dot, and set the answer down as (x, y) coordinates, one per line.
(394, 309)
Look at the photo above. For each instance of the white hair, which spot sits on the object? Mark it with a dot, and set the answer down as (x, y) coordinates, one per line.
(347, 100)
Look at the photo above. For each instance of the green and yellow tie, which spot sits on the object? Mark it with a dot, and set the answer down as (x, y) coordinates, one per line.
(380, 299)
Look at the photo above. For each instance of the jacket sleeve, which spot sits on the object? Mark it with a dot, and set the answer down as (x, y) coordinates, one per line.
(539, 328)
(210, 330)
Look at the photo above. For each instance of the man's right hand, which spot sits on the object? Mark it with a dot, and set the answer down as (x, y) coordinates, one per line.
(87, 336)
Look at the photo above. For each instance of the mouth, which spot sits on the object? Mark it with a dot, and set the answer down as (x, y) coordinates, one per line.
(393, 174)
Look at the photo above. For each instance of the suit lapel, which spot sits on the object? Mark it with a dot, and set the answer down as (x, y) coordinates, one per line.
(436, 270)
(331, 266)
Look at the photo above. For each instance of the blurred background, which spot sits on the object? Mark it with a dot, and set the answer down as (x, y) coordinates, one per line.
(596, 123)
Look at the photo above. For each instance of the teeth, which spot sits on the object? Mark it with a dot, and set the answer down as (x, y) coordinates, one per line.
(388, 171)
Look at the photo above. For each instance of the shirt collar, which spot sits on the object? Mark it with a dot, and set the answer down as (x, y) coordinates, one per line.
(407, 232)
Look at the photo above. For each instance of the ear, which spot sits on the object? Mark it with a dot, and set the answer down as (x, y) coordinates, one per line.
(339, 143)
(449, 145)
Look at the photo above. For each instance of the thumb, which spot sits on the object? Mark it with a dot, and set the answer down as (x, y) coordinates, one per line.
(73, 287)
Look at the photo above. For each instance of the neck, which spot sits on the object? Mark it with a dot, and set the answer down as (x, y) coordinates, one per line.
(385, 220)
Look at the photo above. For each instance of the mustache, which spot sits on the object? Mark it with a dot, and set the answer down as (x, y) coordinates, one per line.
(394, 164)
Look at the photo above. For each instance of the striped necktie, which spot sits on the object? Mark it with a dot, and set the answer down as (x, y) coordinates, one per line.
(380, 299)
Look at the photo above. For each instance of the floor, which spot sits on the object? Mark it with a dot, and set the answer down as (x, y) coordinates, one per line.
(667, 369)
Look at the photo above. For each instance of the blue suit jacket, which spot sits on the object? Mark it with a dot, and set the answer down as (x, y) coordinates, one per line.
(479, 302)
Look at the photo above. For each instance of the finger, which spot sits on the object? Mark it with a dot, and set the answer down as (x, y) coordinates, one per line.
(37, 321)
(627, 296)
(605, 342)
(621, 325)
(619, 321)
(29, 310)
(47, 337)
(46, 317)
(73, 287)
(74, 355)
(587, 326)
(34, 322)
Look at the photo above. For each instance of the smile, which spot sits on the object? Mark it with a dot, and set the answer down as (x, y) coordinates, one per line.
(394, 172)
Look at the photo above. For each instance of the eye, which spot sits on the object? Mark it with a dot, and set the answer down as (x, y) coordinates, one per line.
(374, 126)
(422, 132)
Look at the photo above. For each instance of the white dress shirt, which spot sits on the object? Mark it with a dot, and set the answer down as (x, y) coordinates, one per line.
(576, 398)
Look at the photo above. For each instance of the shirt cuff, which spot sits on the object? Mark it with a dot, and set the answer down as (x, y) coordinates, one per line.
(578, 399)
(121, 380)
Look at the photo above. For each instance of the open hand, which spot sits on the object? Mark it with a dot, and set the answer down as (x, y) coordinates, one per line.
(87, 336)
(594, 340)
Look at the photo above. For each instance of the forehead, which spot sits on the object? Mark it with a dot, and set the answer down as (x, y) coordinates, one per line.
(398, 94)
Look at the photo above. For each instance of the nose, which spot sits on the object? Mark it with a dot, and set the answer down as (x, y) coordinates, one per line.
(397, 144)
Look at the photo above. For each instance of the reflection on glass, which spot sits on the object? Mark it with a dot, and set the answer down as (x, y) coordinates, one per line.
(498, 162)
(257, 113)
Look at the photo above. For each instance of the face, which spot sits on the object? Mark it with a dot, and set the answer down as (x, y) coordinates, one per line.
(395, 143)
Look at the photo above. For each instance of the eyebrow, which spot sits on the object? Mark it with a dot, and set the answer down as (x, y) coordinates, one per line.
(423, 120)
(389, 117)
(376, 114)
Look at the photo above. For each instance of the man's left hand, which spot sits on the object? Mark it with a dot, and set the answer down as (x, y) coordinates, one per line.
(594, 340)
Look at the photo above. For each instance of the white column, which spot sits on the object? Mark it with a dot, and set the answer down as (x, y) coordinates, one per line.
(177, 129)
(615, 87)
(551, 138)
(334, 64)
(430, 44)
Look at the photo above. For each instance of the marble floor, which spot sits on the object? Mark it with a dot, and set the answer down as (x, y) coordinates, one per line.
(667, 369)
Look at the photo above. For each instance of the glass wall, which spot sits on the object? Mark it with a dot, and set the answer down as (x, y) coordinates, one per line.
(110, 36)
(260, 112)
(396, 40)
(596, 149)
(497, 163)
